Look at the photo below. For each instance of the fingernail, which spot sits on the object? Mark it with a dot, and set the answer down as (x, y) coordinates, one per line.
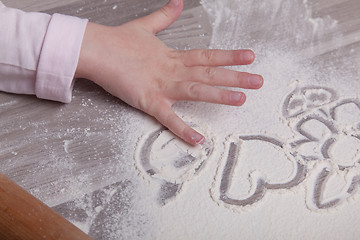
(255, 80)
(249, 56)
(174, 3)
(237, 97)
(197, 138)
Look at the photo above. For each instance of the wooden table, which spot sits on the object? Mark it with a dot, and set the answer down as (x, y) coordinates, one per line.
(78, 158)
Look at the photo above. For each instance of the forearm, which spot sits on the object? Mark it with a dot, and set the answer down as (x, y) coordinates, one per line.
(90, 52)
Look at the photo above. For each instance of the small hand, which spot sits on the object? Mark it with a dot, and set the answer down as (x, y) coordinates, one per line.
(131, 63)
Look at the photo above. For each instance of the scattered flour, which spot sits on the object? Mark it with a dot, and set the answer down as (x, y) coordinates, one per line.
(278, 159)
(290, 155)
(284, 165)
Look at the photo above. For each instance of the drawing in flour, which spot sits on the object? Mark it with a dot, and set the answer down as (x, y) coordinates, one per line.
(253, 165)
(327, 149)
(329, 141)
(163, 157)
(324, 155)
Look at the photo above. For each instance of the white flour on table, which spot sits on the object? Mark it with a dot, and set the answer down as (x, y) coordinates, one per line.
(285, 161)
(283, 165)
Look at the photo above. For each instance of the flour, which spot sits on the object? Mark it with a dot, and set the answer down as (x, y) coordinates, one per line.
(284, 165)
(164, 156)
(290, 155)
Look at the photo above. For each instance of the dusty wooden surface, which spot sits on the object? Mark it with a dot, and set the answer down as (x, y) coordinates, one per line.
(64, 152)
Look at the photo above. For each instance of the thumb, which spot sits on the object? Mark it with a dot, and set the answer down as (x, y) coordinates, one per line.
(162, 18)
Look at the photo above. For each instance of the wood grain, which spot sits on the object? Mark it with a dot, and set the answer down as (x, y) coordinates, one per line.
(24, 217)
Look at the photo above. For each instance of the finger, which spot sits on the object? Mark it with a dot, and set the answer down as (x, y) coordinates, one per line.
(162, 18)
(217, 57)
(193, 91)
(167, 117)
(224, 77)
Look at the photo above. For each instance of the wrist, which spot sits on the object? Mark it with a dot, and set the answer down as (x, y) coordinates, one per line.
(87, 62)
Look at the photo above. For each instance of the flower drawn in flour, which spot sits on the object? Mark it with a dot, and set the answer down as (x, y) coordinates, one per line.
(330, 143)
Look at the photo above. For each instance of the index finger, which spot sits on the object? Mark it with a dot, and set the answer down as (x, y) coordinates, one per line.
(167, 117)
(216, 57)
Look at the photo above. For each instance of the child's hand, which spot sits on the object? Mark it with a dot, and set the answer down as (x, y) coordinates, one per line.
(132, 64)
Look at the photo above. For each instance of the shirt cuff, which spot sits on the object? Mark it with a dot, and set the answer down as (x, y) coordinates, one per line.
(59, 58)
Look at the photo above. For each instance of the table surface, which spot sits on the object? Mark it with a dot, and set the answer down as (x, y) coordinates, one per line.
(68, 155)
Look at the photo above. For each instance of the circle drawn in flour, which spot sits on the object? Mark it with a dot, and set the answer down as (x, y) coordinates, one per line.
(161, 155)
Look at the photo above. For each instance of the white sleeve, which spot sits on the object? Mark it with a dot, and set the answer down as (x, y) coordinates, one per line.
(39, 53)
